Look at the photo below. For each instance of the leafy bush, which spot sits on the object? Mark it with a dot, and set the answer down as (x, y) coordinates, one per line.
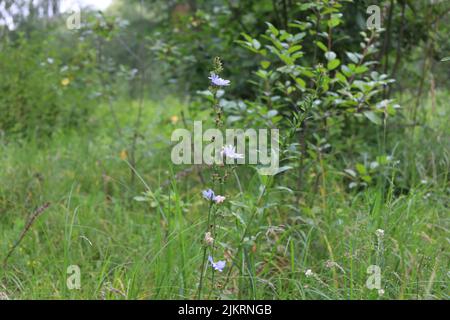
(324, 104)
(44, 87)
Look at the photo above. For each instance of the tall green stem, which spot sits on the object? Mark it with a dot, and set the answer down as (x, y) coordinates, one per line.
(200, 287)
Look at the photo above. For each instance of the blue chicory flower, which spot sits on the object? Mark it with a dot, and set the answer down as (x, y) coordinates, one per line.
(218, 266)
(230, 152)
(208, 194)
(218, 81)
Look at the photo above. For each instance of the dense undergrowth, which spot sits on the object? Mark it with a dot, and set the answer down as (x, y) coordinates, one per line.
(148, 250)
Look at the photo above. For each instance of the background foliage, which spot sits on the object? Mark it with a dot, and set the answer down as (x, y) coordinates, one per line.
(85, 123)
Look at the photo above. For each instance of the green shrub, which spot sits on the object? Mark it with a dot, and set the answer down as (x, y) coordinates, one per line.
(44, 85)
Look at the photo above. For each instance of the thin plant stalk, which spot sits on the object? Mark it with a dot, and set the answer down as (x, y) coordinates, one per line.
(205, 248)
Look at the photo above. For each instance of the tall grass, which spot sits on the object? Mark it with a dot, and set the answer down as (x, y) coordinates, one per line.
(152, 250)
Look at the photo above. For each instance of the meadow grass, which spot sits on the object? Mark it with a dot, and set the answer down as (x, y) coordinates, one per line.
(129, 249)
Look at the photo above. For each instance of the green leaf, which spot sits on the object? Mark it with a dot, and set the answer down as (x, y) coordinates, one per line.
(282, 169)
(361, 69)
(238, 216)
(333, 64)
(265, 64)
(272, 113)
(350, 172)
(231, 119)
(321, 46)
(140, 198)
(273, 29)
(334, 22)
(341, 77)
(373, 117)
(301, 82)
(294, 48)
(361, 168)
(307, 73)
(347, 71)
(353, 57)
(306, 6)
(247, 37)
(286, 59)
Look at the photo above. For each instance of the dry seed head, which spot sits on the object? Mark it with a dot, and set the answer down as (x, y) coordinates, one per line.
(209, 240)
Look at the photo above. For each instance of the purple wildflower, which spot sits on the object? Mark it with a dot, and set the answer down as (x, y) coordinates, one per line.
(218, 266)
(208, 194)
(230, 152)
(218, 81)
(219, 199)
